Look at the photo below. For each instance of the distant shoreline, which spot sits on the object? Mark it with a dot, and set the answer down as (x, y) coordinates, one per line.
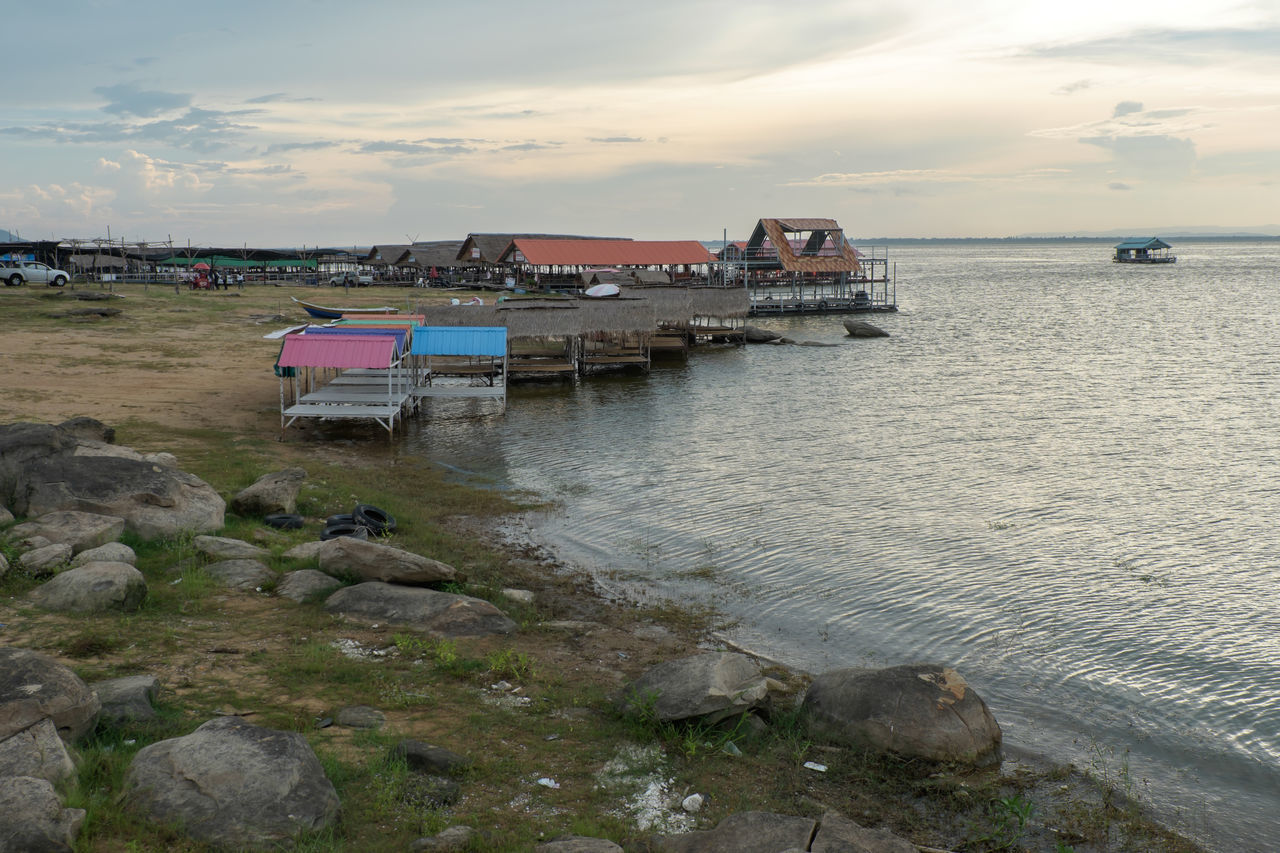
(936, 241)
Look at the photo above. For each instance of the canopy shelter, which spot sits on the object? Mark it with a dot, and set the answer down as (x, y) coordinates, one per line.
(1144, 251)
(400, 335)
(367, 378)
(476, 355)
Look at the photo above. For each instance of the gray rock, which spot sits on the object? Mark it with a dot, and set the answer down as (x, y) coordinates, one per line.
(93, 588)
(578, 844)
(36, 751)
(440, 614)
(5, 515)
(425, 758)
(4, 565)
(80, 530)
(30, 543)
(88, 429)
(305, 551)
(112, 552)
(45, 559)
(34, 686)
(361, 717)
(918, 710)
(433, 791)
(838, 834)
(224, 548)
(863, 329)
(306, 583)
(712, 686)
(519, 596)
(127, 698)
(455, 839)
(32, 819)
(233, 784)
(46, 470)
(270, 493)
(373, 561)
(744, 832)
(246, 575)
(756, 335)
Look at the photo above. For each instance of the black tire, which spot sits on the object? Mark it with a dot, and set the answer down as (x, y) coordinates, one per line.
(344, 518)
(60, 281)
(377, 522)
(283, 521)
(15, 280)
(333, 531)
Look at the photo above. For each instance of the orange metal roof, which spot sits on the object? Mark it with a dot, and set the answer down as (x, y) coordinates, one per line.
(600, 253)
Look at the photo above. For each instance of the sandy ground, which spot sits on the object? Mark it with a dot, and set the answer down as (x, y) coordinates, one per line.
(195, 359)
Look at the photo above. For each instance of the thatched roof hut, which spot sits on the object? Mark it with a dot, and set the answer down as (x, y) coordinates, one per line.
(819, 246)
(441, 254)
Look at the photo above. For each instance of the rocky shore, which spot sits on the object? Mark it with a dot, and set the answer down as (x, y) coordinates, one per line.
(250, 778)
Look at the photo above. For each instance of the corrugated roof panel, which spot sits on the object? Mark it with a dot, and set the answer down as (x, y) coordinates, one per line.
(601, 253)
(1153, 243)
(460, 340)
(398, 334)
(338, 351)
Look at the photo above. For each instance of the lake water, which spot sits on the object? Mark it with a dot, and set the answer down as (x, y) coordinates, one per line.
(1059, 475)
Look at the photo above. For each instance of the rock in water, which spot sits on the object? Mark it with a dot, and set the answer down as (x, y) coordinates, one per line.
(918, 710)
(863, 329)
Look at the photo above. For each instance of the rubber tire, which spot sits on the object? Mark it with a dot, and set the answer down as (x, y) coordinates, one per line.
(283, 521)
(58, 282)
(377, 522)
(15, 280)
(333, 531)
(344, 518)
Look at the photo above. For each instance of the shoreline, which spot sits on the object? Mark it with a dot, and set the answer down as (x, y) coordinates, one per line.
(219, 417)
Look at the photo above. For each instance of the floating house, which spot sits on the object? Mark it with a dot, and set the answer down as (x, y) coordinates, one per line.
(808, 266)
(1151, 251)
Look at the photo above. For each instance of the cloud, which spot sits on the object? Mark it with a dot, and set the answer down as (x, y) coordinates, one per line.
(1169, 46)
(529, 146)
(196, 130)
(896, 176)
(1141, 141)
(126, 99)
(278, 97)
(1073, 87)
(317, 145)
(612, 139)
(1116, 185)
(1125, 108)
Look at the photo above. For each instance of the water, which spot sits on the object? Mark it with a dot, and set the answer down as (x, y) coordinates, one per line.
(1059, 475)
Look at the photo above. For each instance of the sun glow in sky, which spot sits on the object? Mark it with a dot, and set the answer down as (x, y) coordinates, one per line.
(287, 122)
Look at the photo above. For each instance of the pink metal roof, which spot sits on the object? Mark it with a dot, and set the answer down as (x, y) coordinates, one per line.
(604, 253)
(337, 351)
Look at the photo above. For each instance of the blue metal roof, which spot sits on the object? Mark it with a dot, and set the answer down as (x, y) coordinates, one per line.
(1152, 243)
(459, 340)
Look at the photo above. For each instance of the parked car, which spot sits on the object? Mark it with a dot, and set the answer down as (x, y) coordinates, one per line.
(15, 273)
(350, 279)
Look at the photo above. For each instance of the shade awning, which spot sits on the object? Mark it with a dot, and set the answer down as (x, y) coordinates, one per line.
(340, 351)
(460, 340)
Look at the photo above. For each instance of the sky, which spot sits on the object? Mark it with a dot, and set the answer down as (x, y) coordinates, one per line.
(317, 122)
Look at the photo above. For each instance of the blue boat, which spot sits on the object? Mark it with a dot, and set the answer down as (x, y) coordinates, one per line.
(320, 312)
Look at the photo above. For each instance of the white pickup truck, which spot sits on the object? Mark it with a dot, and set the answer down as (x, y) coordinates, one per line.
(350, 279)
(15, 273)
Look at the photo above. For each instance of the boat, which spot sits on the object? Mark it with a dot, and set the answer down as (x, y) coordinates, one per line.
(1152, 251)
(320, 312)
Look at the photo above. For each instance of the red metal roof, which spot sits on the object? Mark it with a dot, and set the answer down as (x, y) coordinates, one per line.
(604, 253)
(337, 351)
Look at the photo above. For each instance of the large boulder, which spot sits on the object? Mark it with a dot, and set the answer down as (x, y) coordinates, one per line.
(80, 530)
(578, 844)
(710, 686)
(128, 697)
(47, 468)
(93, 588)
(373, 561)
(112, 552)
(270, 494)
(45, 559)
(244, 575)
(304, 584)
(36, 751)
(863, 329)
(745, 832)
(233, 784)
(756, 335)
(918, 710)
(224, 548)
(34, 686)
(32, 819)
(440, 614)
(838, 834)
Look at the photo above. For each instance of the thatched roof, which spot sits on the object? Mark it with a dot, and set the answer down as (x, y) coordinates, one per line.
(650, 276)
(548, 318)
(387, 254)
(488, 248)
(722, 302)
(824, 249)
(587, 278)
(96, 261)
(437, 253)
